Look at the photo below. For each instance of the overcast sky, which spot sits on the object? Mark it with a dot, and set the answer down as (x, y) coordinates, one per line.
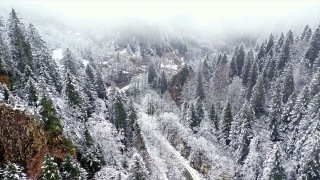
(205, 11)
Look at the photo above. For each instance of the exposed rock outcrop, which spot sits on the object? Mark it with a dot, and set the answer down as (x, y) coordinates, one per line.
(25, 142)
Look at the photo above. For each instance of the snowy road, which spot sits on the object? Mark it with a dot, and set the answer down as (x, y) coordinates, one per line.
(194, 175)
(148, 127)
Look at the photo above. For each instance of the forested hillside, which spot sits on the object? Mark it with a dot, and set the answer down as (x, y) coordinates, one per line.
(158, 103)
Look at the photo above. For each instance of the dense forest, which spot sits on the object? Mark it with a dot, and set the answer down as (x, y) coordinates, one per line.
(158, 103)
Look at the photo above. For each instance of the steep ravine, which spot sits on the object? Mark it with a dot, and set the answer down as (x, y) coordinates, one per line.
(25, 142)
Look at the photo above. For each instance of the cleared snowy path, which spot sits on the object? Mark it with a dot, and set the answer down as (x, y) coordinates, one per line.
(149, 127)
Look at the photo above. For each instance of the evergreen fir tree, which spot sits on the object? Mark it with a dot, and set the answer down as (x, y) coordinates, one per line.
(199, 112)
(284, 56)
(90, 89)
(308, 35)
(270, 44)
(50, 168)
(13, 172)
(304, 32)
(300, 108)
(213, 116)
(258, 98)
(184, 74)
(262, 51)
(138, 169)
(240, 59)
(5, 94)
(151, 73)
(226, 123)
(130, 131)
(69, 63)
(280, 43)
(252, 80)
(275, 114)
(246, 68)
(20, 47)
(120, 115)
(4, 47)
(245, 133)
(288, 83)
(232, 68)
(290, 37)
(311, 168)
(71, 169)
(206, 69)
(271, 71)
(32, 95)
(200, 88)
(276, 171)
(90, 155)
(164, 82)
(314, 47)
(193, 118)
(71, 92)
(100, 86)
(252, 167)
(50, 116)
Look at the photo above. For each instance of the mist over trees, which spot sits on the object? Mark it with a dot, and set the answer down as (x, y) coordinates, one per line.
(129, 96)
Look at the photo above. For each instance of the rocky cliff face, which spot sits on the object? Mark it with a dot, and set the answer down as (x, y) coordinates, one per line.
(24, 142)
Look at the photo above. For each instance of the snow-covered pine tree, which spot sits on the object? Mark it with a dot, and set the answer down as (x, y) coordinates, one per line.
(262, 51)
(252, 79)
(50, 116)
(246, 68)
(89, 89)
(71, 169)
(13, 171)
(213, 116)
(70, 63)
(20, 47)
(288, 83)
(100, 86)
(233, 64)
(243, 138)
(270, 43)
(314, 47)
(138, 169)
(279, 43)
(240, 59)
(258, 97)
(50, 168)
(253, 164)
(199, 86)
(206, 70)
(91, 155)
(275, 115)
(226, 123)
(284, 56)
(274, 169)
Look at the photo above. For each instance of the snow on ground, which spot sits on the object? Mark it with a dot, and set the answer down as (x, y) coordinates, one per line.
(85, 62)
(154, 140)
(77, 34)
(126, 88)
(57, 54)
(168, 66)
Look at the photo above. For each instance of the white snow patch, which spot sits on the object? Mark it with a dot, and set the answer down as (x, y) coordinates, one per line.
(123, 51)
(85, 62)
(172, 67)
(77, 34)
(57, 54)
(68, 32)
(126, 88)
